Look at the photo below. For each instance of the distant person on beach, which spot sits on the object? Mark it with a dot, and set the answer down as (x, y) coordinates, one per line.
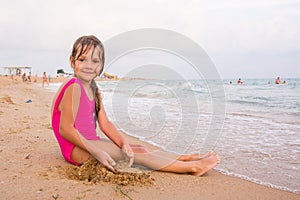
(35, 78)
(45, 79)
(77, 108)
(29, 77)
(239, 81)
(278, 81)
(24, 78)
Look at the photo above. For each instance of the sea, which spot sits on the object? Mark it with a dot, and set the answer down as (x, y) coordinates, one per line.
(254, 126)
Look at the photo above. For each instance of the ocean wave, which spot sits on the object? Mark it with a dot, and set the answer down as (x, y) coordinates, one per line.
(249, 102)
(254, 180)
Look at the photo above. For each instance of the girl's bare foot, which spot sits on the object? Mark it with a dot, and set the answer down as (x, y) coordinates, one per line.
(194, 157)
(205, 164)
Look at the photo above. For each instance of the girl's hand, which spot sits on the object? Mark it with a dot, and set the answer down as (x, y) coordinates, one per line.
(105, 159)
(128, 153)
(98, 153)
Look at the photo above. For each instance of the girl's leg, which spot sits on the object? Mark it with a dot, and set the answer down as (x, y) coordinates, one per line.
(158, 161)
(137, 148)
(184, 157)
(80, 156)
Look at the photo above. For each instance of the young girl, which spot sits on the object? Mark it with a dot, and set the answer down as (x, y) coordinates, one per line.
(78, 103)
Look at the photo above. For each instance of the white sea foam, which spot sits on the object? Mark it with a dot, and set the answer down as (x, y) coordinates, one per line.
(258, 181)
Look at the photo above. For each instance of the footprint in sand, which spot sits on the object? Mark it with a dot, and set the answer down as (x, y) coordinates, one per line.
(6, 99)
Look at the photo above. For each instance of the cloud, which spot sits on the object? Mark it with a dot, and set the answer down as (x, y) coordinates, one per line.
(241, 28)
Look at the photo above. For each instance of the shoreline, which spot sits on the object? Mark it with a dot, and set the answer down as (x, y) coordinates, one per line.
(153, 146)
(31, 160)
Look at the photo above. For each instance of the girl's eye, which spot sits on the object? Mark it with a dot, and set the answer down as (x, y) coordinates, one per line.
(81, 59)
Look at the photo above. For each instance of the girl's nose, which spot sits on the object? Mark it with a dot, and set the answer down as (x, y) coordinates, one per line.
(90, 64)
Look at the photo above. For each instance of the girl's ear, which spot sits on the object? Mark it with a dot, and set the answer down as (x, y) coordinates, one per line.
(72, 62)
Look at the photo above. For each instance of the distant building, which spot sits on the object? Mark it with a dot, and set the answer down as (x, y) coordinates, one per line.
(62, 73)
(17, 70)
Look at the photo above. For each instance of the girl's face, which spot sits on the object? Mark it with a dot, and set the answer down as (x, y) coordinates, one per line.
(88, 65)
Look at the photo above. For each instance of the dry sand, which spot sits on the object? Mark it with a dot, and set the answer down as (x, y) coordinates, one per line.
(31, 164)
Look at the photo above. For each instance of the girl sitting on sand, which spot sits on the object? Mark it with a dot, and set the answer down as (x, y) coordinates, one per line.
(77, 108)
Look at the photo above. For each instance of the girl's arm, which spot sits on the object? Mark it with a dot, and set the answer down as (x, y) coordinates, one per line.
(108, 128)
(113, 134)
(68, 108)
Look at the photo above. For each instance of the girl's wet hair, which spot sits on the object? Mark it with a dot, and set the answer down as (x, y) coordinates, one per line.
(81, 46)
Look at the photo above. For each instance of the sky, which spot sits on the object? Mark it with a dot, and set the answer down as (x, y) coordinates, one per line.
(247, 39)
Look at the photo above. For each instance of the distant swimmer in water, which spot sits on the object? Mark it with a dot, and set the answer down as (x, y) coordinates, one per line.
(240, 81)
(284, 82)
(278, 81)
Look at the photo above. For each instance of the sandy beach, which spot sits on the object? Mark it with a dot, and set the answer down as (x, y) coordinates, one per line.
(31, 163)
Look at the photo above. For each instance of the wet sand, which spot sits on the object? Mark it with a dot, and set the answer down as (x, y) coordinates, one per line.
(32, 167)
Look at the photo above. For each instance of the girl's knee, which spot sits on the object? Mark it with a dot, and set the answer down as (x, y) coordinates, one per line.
(79, 155)
(139, 149)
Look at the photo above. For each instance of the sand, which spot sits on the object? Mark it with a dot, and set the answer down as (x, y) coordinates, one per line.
(32, 167)
(92, 171)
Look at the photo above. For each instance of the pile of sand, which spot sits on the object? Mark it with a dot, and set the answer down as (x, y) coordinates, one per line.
(94, 172)
(6, 99)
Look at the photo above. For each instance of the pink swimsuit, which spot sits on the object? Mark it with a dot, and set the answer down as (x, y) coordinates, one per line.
(84, 122)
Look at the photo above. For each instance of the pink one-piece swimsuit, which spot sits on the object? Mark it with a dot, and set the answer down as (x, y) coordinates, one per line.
(84, 122)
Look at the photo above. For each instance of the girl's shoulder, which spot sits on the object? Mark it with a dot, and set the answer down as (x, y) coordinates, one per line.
(69, 83)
